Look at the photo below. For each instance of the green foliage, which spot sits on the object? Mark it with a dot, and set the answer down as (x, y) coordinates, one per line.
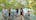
(34, 6)
(0, 8)
(34, 13)
(19, 5)
(34, 0)
(7, 4)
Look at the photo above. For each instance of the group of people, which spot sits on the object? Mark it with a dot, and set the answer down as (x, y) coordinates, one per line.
(9, 12)
(6, 11)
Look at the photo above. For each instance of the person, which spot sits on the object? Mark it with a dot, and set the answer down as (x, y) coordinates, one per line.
(5, 14)
(28, 16)
(21, 11)
(17, 12)
(25, 11)
(28, 13)
(9, 12)
(22, 16)
(12, 13)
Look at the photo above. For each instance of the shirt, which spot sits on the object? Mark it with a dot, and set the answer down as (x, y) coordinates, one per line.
(5, 11)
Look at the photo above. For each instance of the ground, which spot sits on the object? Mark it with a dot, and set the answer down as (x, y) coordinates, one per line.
(19, 17)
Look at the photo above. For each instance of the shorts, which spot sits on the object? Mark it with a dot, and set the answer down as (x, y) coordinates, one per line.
(9, 14)
(17, 12)
(21, 13)
(28, 14)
